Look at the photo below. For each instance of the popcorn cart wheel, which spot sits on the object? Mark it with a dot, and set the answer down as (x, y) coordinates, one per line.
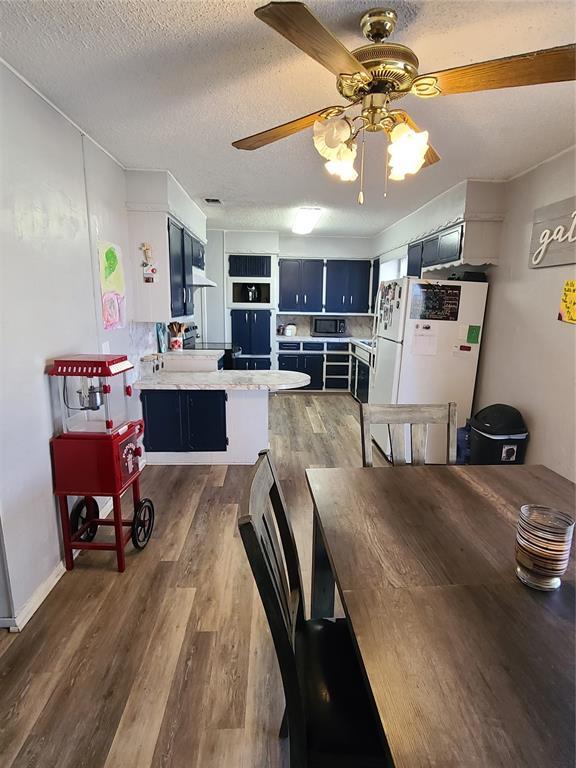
(98, 453)
(83, 512)
(143, 523)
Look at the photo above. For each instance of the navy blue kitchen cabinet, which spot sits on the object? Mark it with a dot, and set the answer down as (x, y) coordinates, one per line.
(312, 284)
(375, 283)
(252, 363)
(288, 362)
(359, 286)
(251, 331)
(414, 264)
(313, 365)
(188, 256)
(362, 382)
(162, 414)
(301, 282)
(181, 252)
(348, 286)
(204, 413)
(176, 253)
(290, 285)
(198, 257)
(241, 329)
(188, 420)
(240, 265)
(336, 285)
(430, 252)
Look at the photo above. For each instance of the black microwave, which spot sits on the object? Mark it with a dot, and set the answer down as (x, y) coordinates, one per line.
(328, 326)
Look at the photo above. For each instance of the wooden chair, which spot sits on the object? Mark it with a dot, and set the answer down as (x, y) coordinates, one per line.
(330, 716)
(396, 417)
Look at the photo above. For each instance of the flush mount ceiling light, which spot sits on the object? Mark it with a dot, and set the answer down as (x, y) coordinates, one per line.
(305, 221)
(372, 76)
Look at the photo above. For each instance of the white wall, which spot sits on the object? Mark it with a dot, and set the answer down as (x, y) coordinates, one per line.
(215, 297)
(528, 356)
(47, 310)
(322, 247)
(50, 305)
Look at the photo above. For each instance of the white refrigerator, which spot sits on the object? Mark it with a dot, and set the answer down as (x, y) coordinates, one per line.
(427, 336)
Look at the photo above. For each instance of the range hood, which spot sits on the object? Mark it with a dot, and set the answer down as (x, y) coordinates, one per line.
(200, 280)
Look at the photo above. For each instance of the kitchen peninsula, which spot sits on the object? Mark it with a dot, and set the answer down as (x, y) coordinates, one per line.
(209, 417)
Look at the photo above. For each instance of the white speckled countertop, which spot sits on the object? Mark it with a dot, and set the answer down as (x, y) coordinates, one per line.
(211, 354)
(264, 380)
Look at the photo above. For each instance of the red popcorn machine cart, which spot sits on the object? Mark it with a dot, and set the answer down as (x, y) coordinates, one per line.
(98, 454)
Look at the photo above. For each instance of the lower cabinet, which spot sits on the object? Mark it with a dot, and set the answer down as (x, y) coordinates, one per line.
(252, 363)
(362, 381)
(313, 365)
(185, 420)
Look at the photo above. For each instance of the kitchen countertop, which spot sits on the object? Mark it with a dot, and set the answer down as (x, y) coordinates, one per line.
(262, 380)
(211, 354)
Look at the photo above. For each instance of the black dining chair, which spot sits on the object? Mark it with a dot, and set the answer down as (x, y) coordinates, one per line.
(330, 716)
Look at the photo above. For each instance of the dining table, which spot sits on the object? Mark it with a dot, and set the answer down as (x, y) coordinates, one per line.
(467, 666)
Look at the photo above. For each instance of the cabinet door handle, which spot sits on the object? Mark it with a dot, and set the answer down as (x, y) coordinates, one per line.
(343, 299)
(297, 298)
(246, 317)
(350, 298)
(184, 295)
(304, 298)
(255, 316)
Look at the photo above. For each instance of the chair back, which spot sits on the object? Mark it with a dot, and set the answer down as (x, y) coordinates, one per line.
(407, 424)
(271, 550)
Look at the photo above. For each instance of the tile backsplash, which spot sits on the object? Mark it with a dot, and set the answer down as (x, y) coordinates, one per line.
(359, 326)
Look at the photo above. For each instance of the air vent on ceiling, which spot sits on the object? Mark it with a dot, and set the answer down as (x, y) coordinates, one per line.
(212, 201)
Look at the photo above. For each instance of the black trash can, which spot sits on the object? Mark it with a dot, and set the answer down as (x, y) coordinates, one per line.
(498, 435)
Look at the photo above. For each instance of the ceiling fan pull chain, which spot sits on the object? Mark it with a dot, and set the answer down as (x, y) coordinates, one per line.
(361, 193)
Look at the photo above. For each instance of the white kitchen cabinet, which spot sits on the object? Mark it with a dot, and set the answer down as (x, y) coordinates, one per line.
(162, 285)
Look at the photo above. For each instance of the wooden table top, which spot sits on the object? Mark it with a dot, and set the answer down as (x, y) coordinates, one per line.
(468, 667)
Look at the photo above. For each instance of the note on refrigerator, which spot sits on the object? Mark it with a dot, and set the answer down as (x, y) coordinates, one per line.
(425, 342)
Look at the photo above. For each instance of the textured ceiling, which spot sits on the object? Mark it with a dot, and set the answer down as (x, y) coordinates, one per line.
(171, 84)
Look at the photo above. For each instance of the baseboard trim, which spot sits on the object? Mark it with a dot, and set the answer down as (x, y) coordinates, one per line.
(17, 623)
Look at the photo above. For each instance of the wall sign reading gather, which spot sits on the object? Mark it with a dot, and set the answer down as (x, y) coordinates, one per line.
(554, 235)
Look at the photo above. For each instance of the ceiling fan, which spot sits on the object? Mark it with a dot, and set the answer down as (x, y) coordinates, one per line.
(374, 76)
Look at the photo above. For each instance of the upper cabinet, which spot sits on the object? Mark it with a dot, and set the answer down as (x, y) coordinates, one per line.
(348, 288)
(167, 235)
(345, 282)
(244, 265)
(301, 285)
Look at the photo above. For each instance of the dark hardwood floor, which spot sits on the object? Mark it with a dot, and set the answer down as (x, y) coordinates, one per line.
(171, 663)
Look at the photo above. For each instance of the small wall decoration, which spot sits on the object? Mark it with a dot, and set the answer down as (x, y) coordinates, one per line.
(554, 235)
(567, 312)
(112, 286)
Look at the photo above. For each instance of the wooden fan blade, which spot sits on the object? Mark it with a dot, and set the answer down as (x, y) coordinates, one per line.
(551, 65)
(298, 25)
(286, 129)
(400, 116)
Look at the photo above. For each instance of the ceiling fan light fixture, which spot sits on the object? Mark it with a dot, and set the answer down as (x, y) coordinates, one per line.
(407, 150)
(342, 164)
(306, 219)
(330, 136)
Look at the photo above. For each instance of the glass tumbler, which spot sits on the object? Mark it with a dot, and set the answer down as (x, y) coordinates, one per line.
(543, 540)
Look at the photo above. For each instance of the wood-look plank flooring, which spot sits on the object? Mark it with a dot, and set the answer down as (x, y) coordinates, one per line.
(169, 665)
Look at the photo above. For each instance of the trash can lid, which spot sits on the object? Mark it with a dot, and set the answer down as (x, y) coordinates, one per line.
(499, 419)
